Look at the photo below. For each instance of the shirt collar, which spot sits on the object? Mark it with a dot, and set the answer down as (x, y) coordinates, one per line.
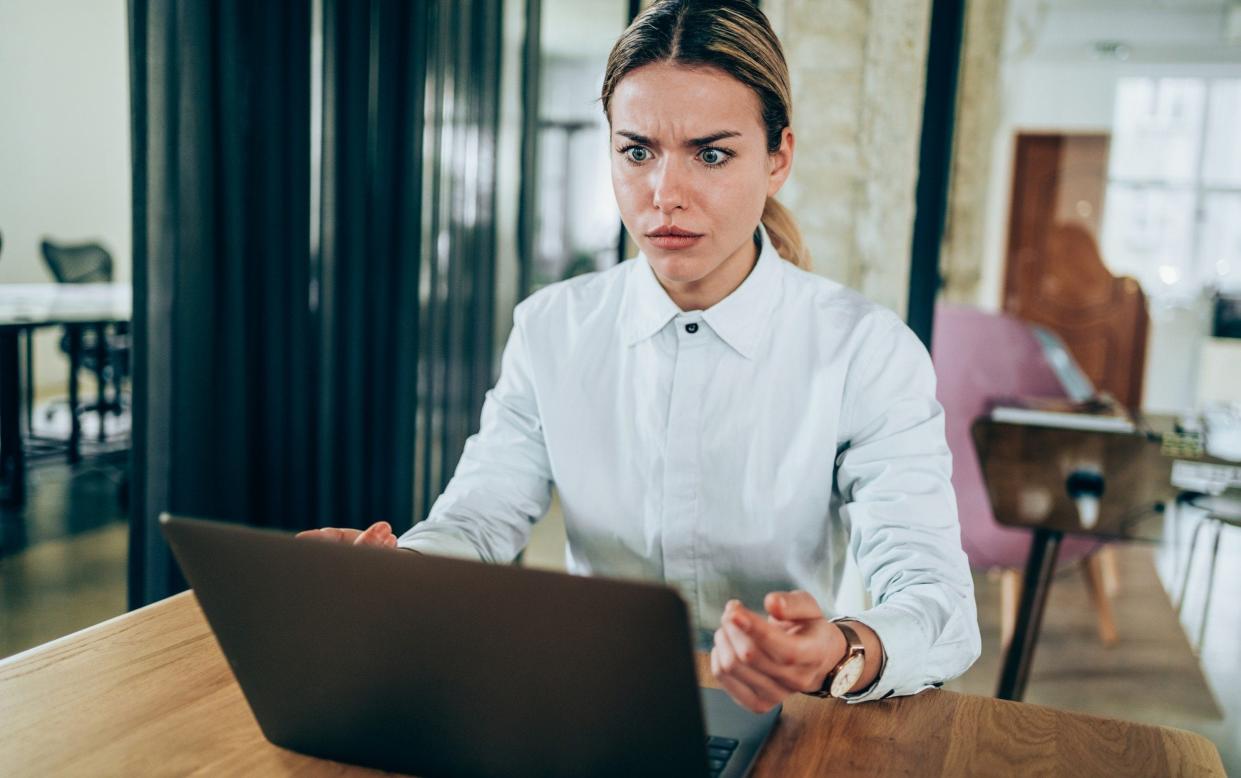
(738, 319)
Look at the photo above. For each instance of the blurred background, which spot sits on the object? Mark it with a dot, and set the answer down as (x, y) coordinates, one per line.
(257, 262)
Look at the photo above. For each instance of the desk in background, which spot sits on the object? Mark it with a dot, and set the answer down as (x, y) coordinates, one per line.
(150, 693)
(1026, 467)
(25, 308)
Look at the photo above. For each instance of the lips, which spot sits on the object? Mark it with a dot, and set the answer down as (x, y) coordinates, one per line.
(671, 237)
(673, 231)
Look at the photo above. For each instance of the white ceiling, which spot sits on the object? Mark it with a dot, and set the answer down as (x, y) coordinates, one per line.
(1148, 30)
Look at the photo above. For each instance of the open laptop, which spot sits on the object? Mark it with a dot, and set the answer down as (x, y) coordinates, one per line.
(442, 667)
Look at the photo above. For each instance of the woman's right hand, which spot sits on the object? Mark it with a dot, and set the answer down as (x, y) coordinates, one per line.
(378, 534)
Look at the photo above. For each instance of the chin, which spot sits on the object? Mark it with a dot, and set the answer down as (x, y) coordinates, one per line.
(679, 268)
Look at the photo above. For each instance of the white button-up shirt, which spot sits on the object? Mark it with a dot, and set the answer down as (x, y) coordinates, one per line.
(730, 452)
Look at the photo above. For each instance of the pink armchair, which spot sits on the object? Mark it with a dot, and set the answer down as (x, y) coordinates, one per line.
(979, 356)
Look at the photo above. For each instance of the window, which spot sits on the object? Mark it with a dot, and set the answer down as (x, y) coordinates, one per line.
(1173, 216)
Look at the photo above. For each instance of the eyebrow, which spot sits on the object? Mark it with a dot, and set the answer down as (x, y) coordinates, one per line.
(705, 140)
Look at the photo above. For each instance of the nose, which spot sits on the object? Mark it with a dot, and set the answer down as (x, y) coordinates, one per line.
(667, 187)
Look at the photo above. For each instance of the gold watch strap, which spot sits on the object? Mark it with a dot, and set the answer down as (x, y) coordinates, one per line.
(853, 647)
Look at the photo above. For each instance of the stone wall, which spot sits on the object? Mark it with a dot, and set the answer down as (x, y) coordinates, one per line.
(979, 116)
(858, 71)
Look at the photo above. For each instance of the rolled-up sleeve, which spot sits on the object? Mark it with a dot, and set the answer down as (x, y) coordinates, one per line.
(502, 484)
(893, 472)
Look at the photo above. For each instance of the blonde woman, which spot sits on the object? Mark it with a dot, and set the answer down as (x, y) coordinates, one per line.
(714, 416)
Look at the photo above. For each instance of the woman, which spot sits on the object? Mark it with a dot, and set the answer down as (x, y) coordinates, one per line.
(714, 416)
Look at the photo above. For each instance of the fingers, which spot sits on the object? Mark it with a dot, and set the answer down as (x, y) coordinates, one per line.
(334, 534)
(735, 689)
(796, 669)
(749, 687)
(792, 606)
(744, 696)
(791, 676)
(378, 534)
(783, 645)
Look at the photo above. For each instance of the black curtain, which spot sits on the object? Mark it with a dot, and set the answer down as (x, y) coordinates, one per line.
(313, 311)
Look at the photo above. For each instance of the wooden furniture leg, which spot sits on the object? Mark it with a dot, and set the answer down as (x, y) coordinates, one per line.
(1096, 585)
(1111, 573)
(1010, 595)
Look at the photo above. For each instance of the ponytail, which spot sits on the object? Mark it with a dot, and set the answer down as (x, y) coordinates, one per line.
(784, 235)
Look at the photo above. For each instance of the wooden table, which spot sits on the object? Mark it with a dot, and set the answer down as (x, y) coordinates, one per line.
(149, 693)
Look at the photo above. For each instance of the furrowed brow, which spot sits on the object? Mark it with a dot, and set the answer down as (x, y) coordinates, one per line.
(636, 138)
(707, 140)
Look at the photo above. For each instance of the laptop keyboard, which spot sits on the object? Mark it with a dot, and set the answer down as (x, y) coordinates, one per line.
(719, 749)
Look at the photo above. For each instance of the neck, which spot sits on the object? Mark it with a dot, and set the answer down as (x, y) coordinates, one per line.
(715, 286)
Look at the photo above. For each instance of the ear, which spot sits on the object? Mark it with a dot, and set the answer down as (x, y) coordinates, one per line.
(781, 163)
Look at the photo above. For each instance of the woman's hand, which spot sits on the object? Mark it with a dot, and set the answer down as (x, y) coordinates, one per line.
(760, 662)
(378, 534)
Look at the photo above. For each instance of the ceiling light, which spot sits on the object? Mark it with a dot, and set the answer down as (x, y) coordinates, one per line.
(1113, 50)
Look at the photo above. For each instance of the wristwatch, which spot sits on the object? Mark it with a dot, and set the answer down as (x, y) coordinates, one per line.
(848, 670)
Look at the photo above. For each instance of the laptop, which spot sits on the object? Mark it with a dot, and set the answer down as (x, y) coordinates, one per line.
(443, 667)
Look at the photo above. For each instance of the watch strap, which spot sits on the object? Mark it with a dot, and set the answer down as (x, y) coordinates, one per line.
(853, 647)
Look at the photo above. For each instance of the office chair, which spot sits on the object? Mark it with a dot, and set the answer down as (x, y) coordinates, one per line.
(1219, 512)
(1217, 509)
(86, 263)
(106, 355)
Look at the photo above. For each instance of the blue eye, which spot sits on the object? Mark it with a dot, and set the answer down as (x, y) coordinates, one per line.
(713, 157)
(636, 154)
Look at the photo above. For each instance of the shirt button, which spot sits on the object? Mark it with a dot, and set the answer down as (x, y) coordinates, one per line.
(691, 328)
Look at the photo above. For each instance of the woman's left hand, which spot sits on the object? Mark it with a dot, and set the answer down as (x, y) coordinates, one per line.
(761, 661)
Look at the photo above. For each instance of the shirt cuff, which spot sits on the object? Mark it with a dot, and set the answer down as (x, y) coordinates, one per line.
(426, 540)
(899, 674)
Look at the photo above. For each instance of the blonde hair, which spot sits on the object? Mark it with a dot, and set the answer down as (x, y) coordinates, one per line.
(735, 37)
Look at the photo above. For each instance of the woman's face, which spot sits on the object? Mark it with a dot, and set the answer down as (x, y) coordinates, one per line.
(690, 156)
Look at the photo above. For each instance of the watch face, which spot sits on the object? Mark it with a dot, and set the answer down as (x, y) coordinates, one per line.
(848, 675)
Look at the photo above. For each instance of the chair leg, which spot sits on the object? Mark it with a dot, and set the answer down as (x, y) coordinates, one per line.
(1206, 604)
(1174, 520)
(1110, 570)
(75, 361)
(1189, 560)
(118, 371)
(1096, 585)
(101, 385)
(30, 382)
(1010, 597)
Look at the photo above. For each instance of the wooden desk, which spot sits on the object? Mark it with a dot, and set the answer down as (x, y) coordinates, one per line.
(149, 693)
